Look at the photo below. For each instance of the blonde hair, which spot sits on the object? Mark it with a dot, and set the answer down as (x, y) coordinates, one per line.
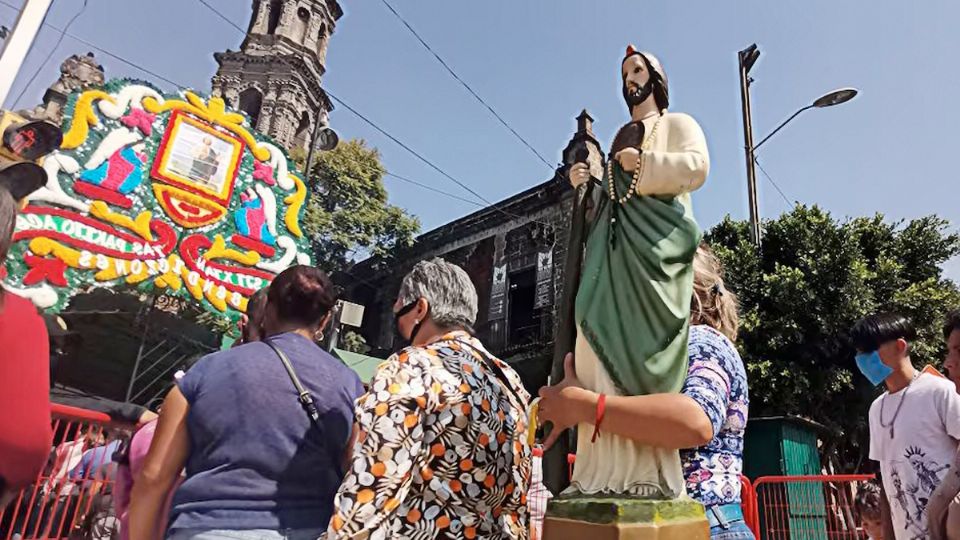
(713, 304)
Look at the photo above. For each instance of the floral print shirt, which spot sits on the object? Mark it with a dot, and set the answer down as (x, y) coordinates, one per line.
(442, 449)
(717, 381)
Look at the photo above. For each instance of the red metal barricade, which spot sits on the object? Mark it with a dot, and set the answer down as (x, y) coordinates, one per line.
(72, 496)
(748, 503)
(821, 507)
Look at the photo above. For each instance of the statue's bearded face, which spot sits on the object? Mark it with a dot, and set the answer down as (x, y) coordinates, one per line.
(636, 79)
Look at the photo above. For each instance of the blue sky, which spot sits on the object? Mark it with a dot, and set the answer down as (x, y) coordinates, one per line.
(538, 63)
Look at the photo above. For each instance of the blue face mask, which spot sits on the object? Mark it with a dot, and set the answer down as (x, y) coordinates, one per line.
(873, 368)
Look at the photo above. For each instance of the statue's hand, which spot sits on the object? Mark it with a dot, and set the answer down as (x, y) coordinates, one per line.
(566, 404)
(628, 159)
(578, 174)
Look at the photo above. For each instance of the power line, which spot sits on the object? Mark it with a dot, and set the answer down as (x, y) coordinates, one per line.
(222, 16)
(362, 117)
(425, 160)
(407, 148)
(433, 189)
(104, 51)
(780, 191)
(386, 134)
(467, 86)
(52, 50)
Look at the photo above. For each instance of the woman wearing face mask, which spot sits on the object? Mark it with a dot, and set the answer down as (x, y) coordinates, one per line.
(442, 448)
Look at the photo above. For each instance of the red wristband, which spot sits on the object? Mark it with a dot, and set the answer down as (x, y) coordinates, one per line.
(601, 409)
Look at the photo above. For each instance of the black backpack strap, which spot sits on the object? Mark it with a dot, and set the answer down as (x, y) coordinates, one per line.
(306, 400)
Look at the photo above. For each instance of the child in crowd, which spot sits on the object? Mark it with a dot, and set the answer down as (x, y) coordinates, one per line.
(867, 506)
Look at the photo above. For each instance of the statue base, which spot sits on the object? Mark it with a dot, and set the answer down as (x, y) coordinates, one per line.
(613, 518)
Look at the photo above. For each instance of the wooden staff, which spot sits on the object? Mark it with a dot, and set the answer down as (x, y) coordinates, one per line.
(555, 469)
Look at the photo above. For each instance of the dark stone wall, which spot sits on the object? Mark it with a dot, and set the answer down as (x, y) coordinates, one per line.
(513, 234)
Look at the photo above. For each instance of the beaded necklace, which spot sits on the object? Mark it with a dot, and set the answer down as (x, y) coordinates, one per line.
(896, 412)
(637, 175)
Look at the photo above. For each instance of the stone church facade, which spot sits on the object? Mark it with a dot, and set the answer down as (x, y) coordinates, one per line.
(276, 75)
(514, 252)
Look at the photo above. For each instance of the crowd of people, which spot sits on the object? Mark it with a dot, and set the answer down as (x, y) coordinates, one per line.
(276, 439)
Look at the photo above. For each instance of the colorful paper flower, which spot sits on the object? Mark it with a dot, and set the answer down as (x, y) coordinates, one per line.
(141, 119)
(263, 172)
(45, 269)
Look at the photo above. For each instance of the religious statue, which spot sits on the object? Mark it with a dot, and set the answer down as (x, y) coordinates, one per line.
(633, 299)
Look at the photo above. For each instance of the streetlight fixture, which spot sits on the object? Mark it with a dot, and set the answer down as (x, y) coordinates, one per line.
(836, 97)
(748, 57)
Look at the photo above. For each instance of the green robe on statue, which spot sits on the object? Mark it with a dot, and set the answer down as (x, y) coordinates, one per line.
(633, 305)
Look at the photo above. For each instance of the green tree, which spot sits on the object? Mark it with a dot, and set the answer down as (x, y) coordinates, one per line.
(816, 276)
(347, 213)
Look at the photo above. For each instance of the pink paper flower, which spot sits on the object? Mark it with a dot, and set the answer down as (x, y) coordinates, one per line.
(139, 118)
(263, 172)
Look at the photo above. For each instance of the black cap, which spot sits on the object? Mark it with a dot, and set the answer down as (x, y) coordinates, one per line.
(21, 178)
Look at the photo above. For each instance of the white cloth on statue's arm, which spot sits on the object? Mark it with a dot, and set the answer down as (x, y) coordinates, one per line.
(682, 166)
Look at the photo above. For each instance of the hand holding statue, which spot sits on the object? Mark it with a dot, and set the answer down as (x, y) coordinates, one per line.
(566, 404)
(578, 174)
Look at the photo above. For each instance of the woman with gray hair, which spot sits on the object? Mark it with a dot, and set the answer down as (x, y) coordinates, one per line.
(442, 449)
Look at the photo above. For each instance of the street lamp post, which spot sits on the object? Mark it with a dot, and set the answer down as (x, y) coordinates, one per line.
(747, 58)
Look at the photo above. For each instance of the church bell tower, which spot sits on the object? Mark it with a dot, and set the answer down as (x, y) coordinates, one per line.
(275, 76)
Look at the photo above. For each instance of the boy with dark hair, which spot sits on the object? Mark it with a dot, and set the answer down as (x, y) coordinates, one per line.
(914, 425)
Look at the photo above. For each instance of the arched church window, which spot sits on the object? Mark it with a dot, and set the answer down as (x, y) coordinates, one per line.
(250, 102)
(302, 136)
(303, 16)
(273, 19)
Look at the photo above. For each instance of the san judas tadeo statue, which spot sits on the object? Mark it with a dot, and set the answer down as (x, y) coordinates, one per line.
(633, 301)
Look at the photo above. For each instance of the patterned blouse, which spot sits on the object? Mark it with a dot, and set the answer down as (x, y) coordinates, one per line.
(442, 450)
(718, 382)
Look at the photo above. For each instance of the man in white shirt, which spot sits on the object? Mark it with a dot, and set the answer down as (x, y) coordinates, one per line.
(914, 425)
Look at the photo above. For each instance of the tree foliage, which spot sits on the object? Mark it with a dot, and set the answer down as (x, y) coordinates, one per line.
(816, 276)
(347, 213)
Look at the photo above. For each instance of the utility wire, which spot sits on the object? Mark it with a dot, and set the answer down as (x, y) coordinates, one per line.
(777, 187)
(104, 51)
(222, 16)
(467, 86)
(413, 152)
(386, 134)
(49, 54)
(493, 206)
(433, 189)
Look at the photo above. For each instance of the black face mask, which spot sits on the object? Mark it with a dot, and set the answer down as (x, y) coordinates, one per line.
(416, 328)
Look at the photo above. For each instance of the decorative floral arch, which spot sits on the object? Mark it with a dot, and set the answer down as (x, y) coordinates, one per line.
(161, 193)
